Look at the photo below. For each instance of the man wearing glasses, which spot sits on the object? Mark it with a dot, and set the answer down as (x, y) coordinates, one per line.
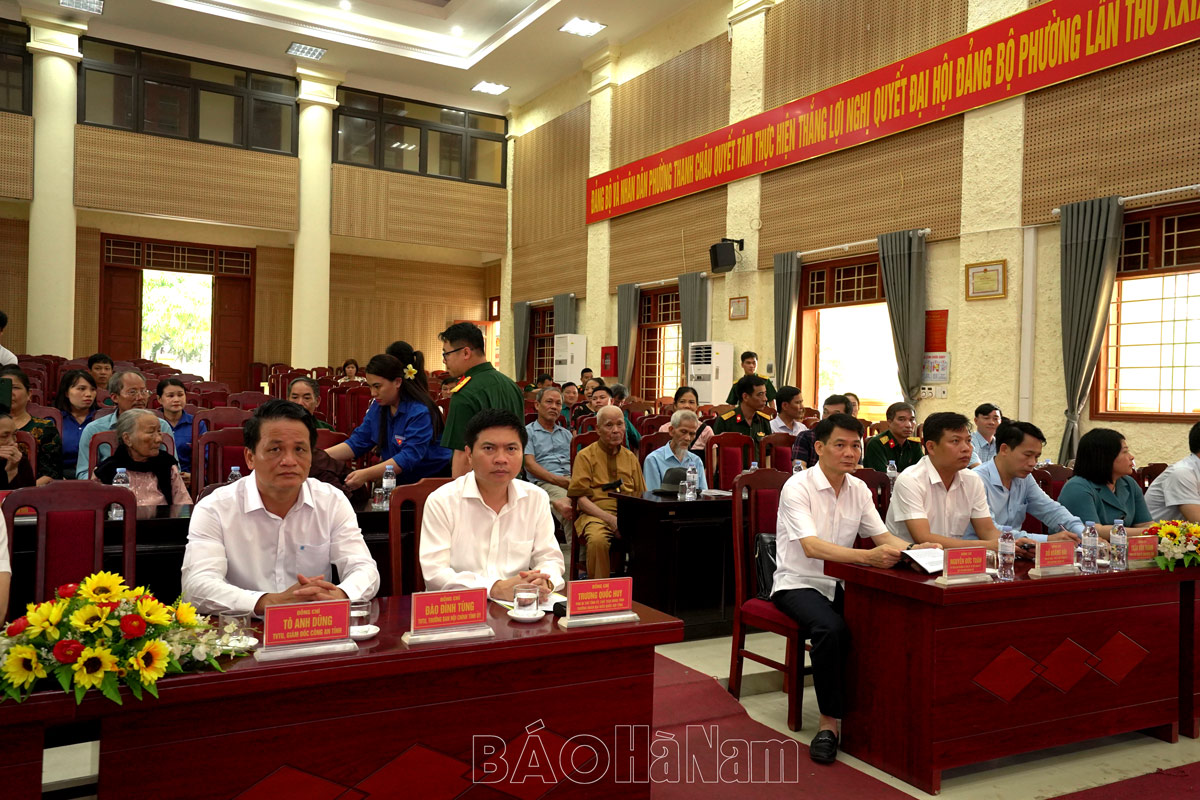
(481, 386)
(128, 390)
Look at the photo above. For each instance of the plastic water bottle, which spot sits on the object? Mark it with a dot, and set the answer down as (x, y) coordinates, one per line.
(753, 466)
(1008, 554)
(892, 473)
(797, 467)
(1091, 546)
(389, 483)
(117, 512)
(693, 482)
(1118, 547)
(235, 475)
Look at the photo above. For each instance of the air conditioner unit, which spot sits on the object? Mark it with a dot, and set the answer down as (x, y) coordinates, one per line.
(570, 350)
(710, 370)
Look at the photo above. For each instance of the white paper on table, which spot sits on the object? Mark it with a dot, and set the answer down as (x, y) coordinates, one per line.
(930, 559)
(547, 606)
(715, 493)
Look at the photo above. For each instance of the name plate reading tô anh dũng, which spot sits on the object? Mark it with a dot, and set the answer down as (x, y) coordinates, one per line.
(305, 629)
(445, 616)
(964, 565)
(1054, 558)
(599, 602)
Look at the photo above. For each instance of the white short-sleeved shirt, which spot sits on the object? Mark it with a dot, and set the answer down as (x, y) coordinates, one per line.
(1178, 485)
(920, 494)
(808, 506)
(4, 565)
(778, 426)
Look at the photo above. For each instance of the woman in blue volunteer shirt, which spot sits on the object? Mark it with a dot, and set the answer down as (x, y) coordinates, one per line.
(402, 422)
(76, 399)
(172, 397)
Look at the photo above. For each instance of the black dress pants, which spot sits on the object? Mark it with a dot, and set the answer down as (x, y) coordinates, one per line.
(830, 643)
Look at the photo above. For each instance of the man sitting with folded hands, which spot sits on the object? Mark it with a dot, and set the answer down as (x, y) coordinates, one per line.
(486, 529)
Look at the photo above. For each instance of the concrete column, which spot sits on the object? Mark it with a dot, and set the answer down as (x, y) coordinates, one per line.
(51, 302)
(748, 19)
(599, 310)
(310, 279)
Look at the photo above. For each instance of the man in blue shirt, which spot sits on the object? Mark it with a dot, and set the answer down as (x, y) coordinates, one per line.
(983, 440)
(1012, 491)
(548, 454)
(684, 425)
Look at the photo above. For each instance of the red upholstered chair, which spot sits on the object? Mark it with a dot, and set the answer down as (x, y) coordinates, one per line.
(248, 401)
(1056, 476)
(587, 423)
(48, 412)
(724, 458)
(258, 373)
(110, 438)
(70, 531)
(810, 420)
(212, 466)
(757, 514)
(580, 441)
(30, 447)
(530, 416)
(327, 439)
(775, 452)
(349, 404)
(651, 442)
(650, 423)
(662, 402)
(413, 496)
(638, 409)
(443, 404)
(214, 419)
(1143, 475)
(881, 492)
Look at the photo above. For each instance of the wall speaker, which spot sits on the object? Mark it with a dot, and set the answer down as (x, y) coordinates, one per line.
(722, 257)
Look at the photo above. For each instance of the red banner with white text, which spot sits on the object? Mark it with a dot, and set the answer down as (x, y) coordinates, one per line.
(1044, 45)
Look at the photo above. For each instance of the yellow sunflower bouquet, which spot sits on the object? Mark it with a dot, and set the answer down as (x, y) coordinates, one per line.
(1178, 543)
(100, 634)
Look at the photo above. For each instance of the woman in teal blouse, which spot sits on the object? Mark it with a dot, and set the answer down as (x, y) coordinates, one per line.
(1103, 488)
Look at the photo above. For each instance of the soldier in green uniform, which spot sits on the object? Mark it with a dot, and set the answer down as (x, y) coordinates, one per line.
(748, 417)
(481, 386)
(749, 365)
(896, 443)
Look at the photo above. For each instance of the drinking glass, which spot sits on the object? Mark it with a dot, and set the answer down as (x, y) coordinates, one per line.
(525, 599)
(360, 613)
(235, 630)
(683, 490)
(377, 499)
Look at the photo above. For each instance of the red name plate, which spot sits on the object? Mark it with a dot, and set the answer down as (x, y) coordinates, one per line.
(306, 623)
(966, 561)
(453, 609)
(1055, 554)
(603, 596)
(1142, 548)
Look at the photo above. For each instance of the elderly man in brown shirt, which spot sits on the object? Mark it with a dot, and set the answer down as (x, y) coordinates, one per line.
(599, 469)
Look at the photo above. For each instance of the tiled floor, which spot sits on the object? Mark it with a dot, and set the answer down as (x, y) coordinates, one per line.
(1045, 774)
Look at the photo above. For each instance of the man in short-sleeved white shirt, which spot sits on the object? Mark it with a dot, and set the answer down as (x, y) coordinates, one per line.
(935, 499)
(1175, 494)
(274, 536)
(486, 529)
(822, 511)
(5, 570)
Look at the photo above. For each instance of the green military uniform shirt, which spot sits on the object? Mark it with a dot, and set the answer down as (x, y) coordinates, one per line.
(322, 426)
(734, 400)
(483, 386)
(757, 427)
(885, 447)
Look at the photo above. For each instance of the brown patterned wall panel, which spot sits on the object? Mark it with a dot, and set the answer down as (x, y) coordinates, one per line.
(909, 180)
(1128, 130)
(814, 44)
(374, 301)
(16, 167)
(679, 100)
(416, 209)
(140, 174)
(273, 304)
(666, 240)
(14, 280)
(549, 267)
(491, 279)
(87, 291)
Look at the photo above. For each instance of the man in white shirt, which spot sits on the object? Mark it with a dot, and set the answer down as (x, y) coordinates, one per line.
(936, 498)
(821, 512)
(1175, 494)
(7, 356)
(791, 410)
(274, 536)
(485, 529)
(5, 570)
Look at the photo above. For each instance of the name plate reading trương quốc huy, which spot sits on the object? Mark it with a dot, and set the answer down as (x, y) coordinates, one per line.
(450, 615)
(1142, 551)
(305, 629)
(1054, 558)
(964, 565)
(599, 602)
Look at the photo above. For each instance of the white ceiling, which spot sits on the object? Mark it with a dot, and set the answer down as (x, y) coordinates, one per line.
(403, 43)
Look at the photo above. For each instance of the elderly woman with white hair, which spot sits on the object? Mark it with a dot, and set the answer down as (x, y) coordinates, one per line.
(153, 474)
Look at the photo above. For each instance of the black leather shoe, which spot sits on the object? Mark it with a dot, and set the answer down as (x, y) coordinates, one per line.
(824, 747)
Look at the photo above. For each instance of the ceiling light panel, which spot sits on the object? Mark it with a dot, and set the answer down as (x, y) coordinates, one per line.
(306, 51)
(583, 27)
(489, 88)
(90, 6)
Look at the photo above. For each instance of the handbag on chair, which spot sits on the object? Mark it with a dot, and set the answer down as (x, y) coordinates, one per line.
(764, 564)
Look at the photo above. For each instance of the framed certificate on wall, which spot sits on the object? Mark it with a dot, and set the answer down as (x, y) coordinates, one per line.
(987, 280)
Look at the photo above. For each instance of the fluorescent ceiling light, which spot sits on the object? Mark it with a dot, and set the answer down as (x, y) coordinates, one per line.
(306, 51)
(489, 88)
(583, 27)
(90, 6)
(456, 30)
(344, 5)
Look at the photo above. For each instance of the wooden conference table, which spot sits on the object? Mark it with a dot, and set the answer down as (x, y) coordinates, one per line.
(680, 559)
(944, 677)
(389, 720)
